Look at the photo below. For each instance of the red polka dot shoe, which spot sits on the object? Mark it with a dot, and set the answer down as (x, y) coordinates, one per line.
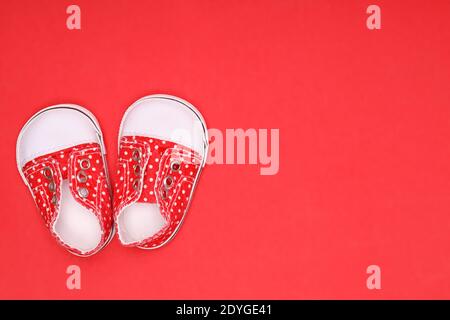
(61, 158)
(163, 145)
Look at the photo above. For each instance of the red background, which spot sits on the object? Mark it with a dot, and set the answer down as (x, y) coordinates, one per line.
(364, 144)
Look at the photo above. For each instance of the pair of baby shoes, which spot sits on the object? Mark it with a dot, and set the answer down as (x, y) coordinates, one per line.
(61, 157)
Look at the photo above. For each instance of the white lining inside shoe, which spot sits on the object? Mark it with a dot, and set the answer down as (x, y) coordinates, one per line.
(75, 225)
(140, 221)
(56, 128)
(167, 118)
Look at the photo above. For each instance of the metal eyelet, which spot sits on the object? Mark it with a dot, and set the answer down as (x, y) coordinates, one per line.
(83, 192)
(137, 169)
(164, 194)
(168, 181)
(52, 186)
(54, 199)
(85, 164)
(47, 172)
(175, 165)
(136, 184)
(82, 176)
(136, 155)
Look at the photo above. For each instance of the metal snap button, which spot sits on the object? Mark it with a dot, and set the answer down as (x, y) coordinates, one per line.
(47, 172)
(168, 181)
(83, 192)
(52, 186)
(136, 155)
(54, 199)
(85, 164)
(137, 169)
(175, 165)
(82, 176)
(136, 184)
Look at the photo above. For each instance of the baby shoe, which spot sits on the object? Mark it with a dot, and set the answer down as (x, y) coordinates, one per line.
(163, 145)
(61, 157)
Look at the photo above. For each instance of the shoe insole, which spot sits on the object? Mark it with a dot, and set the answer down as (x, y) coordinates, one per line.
(75, 225)
(140, 221)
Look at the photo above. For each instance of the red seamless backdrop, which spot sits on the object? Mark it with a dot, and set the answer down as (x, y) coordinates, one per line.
(364, 119)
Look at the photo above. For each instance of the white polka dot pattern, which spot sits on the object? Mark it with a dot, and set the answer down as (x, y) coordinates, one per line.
(83, 167)
(151, 170)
